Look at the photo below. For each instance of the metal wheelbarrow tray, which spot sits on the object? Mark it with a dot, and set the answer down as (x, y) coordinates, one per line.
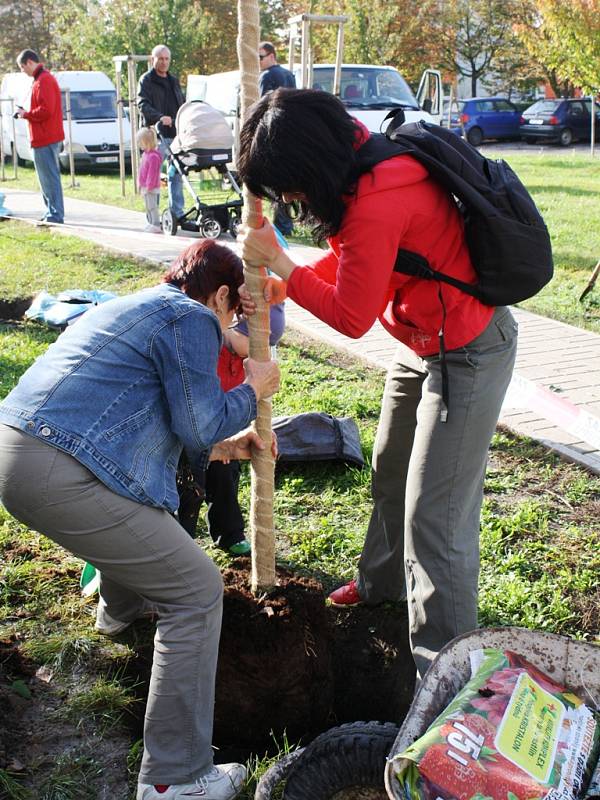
(349, 762)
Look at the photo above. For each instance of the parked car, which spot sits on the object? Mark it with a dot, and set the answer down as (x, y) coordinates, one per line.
(561, 120)
(451, 114)
(487, 118)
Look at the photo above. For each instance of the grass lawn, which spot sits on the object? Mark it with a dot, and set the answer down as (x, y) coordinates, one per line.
(539, 549)
(565, 188)
(564, 185)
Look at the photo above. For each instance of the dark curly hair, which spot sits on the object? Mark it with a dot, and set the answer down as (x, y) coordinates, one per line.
(301, 140)
(205, 266)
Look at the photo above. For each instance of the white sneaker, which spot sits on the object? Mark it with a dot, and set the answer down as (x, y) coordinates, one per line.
(110, 626)
(152, 229)
(221, 783)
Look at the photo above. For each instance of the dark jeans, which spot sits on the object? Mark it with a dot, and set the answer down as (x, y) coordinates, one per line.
(47, 168)
(282, 219)
(219, 488)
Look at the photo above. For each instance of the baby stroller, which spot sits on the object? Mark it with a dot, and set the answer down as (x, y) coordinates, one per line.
(204, 140)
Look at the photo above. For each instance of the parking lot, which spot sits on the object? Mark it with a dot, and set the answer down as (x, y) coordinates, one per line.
(522, 147)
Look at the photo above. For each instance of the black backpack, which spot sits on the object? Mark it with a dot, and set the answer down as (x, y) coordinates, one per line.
(507, 239)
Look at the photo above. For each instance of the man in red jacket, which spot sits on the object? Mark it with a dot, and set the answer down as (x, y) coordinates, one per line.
(45, 132)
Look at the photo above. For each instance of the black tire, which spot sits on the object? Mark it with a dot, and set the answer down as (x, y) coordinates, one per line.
(565, 137)
(475, 136)
(275, 775)
(211, 228)
(168, 223)
(344, 762)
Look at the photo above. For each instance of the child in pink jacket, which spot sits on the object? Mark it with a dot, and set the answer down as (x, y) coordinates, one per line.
(149, 177)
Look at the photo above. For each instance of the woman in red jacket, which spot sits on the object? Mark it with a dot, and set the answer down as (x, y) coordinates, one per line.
(453, 364)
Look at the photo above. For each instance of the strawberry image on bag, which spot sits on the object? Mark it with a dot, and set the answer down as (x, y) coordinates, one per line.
(511, 734)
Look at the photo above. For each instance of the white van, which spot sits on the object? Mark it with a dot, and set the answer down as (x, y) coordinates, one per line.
(15, 86)
(368, 92)
(94, 126)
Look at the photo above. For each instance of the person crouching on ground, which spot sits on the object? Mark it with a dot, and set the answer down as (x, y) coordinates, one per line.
(89, 443)
(427, 482)
(149, 177)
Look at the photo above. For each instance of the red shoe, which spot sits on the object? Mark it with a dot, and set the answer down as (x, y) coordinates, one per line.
(346, 596)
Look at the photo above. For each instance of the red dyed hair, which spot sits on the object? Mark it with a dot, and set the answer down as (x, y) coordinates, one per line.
(204, 266)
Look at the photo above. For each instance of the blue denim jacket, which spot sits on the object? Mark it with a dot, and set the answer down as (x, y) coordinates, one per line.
(127, 386)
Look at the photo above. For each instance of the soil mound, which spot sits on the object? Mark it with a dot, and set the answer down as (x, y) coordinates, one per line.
(275, 669)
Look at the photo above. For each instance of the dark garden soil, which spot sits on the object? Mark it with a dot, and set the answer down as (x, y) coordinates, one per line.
(288, 664)
(14, 309)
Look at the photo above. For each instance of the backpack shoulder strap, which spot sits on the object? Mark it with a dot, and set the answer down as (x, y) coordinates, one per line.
(376, 149)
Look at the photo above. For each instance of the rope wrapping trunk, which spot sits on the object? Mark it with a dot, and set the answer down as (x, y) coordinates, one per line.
(262, 536)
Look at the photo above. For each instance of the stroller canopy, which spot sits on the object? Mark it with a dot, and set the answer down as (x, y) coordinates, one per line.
(201, 127)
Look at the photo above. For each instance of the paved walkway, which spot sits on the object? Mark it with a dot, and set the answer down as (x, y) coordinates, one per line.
(554, 396)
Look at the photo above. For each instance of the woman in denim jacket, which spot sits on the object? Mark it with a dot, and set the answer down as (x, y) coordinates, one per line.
(89, 444)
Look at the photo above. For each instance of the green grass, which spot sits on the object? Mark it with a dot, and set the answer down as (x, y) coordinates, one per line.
(34, 259)
(539, 542)
(102, 186)
(564, 185)
(11, 789)
(105, 701)
(565, 189)
(71, 779)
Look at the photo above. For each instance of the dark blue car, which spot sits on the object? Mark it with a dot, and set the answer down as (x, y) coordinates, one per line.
(486, 118)
(562, 120)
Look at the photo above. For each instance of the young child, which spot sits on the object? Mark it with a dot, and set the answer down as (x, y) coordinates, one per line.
(219, 485)
(149, 177)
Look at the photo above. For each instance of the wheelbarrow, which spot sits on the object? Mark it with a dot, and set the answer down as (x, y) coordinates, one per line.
(359, 761)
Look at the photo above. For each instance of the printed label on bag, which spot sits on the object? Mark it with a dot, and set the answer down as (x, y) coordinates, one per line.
(528, 733)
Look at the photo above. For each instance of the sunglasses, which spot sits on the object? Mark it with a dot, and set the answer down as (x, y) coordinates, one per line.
(262, 55)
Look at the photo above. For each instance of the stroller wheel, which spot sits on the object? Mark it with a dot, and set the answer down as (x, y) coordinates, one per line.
(168, 222)
(235, 223)
(211, 228)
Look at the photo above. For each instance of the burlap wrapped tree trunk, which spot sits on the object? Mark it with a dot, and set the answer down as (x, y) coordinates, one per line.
(262, 536)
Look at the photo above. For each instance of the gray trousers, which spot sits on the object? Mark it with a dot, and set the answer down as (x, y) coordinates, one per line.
(152, 202)
(422, 542)
(142, 554)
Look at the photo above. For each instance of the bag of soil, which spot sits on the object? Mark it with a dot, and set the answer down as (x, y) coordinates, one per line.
(511, 733)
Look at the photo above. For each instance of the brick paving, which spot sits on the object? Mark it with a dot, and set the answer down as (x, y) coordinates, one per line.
(554, 397)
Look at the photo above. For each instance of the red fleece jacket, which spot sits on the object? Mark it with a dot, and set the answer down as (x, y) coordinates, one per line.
(45, 116)
(397, 205)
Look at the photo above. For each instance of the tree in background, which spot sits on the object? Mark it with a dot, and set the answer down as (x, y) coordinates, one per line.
(563, 37)
(473, 35)
(377, 32)
(274, 16)
(512, 42)
(106, 28)
(37, 25)
(396, 34)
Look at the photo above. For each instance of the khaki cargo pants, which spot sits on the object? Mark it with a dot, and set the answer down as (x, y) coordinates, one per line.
(143, 555)
(427, 485)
